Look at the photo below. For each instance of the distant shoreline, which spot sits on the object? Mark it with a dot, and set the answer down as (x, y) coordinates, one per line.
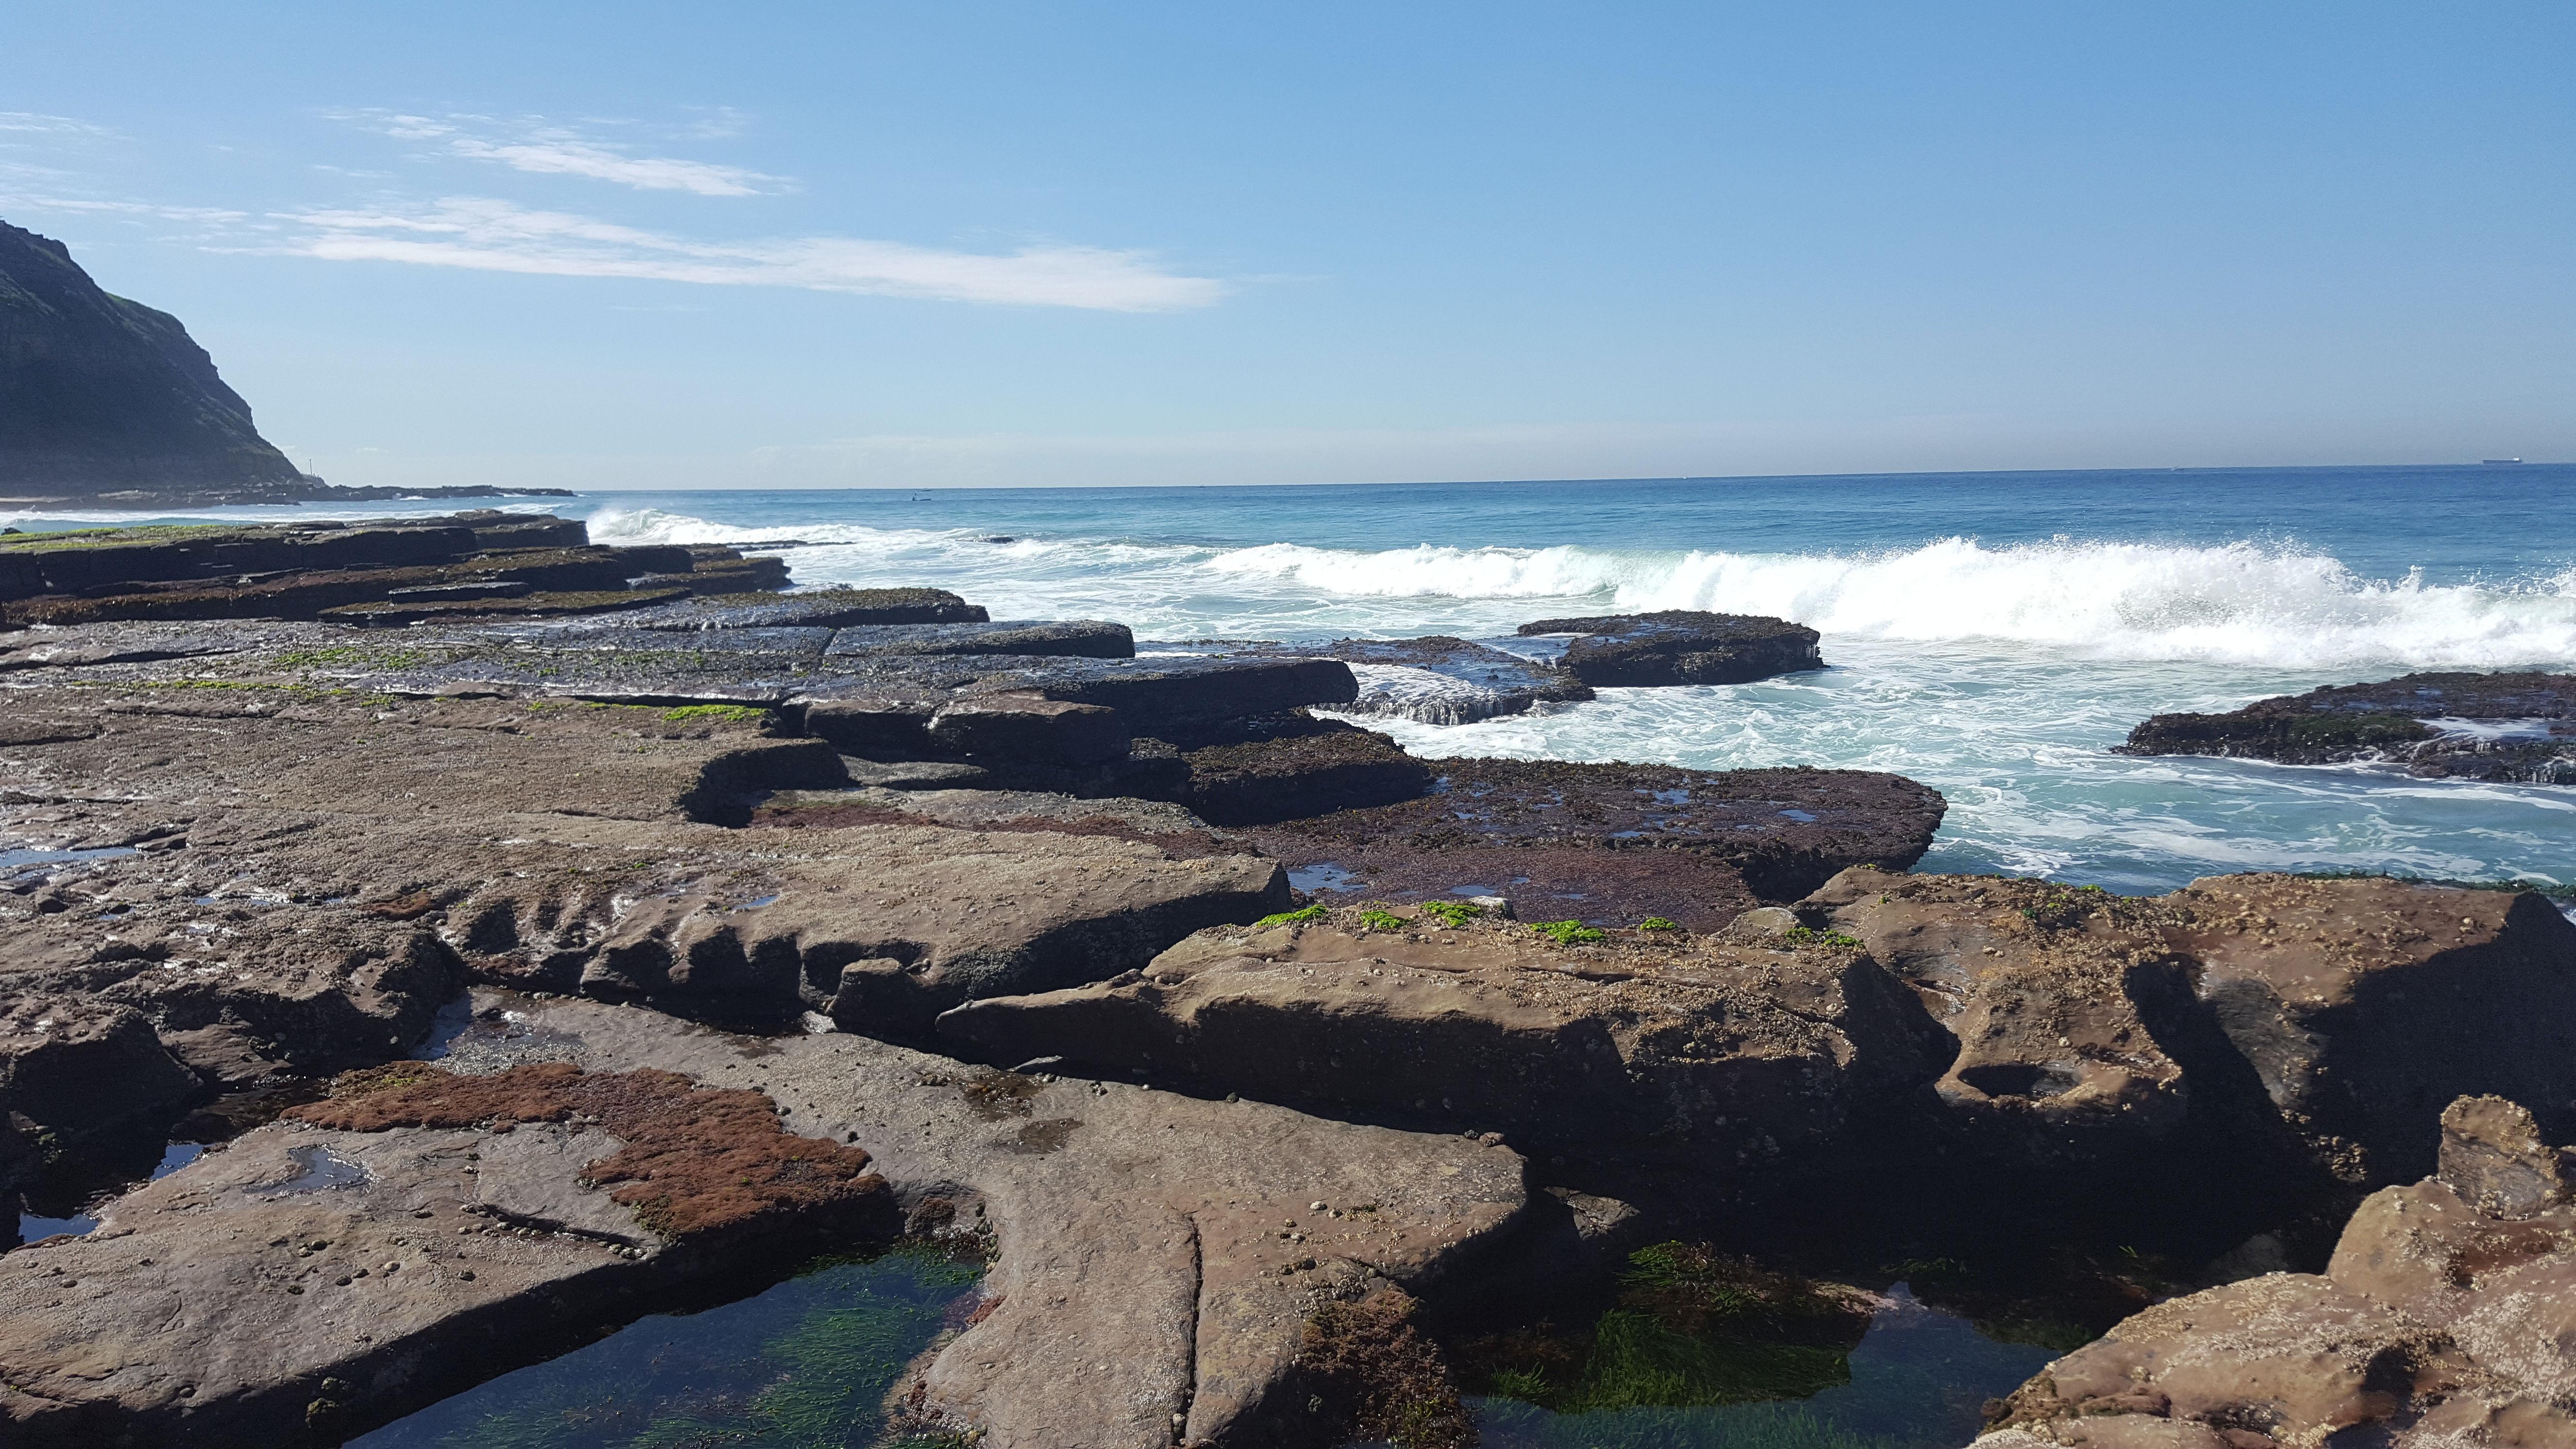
(149, 500)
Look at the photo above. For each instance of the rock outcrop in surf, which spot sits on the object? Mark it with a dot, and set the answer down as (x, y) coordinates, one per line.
(2505, 726)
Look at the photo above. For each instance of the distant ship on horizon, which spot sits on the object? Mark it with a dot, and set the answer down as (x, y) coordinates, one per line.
(2499, 462)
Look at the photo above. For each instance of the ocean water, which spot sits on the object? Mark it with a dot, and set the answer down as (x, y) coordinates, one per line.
(1992, 635)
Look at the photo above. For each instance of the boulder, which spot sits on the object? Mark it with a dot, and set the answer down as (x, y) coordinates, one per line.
(1681, 646)
(1650, 1042)
(2438, 1322)
(937, 916)
(74, 1068)
(1182, 700)
(2509, 726)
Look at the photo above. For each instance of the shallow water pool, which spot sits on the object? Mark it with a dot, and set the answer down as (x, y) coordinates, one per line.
(806, 1364)
(1918, 1379)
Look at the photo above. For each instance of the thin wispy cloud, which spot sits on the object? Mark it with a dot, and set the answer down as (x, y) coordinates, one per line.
(490, 235)
(200, 214)
(563, 151)
(33, 123)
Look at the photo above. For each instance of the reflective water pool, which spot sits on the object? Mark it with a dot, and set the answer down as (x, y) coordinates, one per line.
(1917, 1379)
(808, 1363)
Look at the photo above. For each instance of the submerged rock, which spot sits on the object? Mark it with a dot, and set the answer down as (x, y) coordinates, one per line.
(2442, 1320)
(2468, 726)
(1682, 646)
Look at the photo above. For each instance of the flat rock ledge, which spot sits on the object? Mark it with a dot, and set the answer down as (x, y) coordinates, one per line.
(1155, 1258)
(2447, 1317)
(2507, 727)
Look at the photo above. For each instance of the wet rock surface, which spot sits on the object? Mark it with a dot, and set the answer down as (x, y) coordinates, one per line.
(2518, 727)
(1681, 646)
(1301, 767)
(1437, 680)
(2443, 1319)
(1776, 834)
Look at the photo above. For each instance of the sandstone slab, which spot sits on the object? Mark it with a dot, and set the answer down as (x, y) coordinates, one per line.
(1157, 1256)
(1649, 1042)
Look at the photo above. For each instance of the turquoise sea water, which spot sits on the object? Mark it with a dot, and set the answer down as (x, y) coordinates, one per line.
(1990, 634)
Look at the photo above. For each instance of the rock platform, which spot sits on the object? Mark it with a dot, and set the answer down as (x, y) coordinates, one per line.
(1214, 1019)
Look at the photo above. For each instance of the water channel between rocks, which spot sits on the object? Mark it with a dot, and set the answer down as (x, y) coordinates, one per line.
(807, 1363)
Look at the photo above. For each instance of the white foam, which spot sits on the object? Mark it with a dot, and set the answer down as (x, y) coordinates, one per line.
(2235, 604)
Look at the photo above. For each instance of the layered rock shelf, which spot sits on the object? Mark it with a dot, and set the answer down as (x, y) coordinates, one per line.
(535, 936)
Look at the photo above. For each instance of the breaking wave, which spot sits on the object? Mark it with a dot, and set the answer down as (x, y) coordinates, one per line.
(2240, 603)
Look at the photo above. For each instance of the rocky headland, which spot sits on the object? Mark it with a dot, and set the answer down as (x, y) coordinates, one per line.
(535, 936)
(107, 403)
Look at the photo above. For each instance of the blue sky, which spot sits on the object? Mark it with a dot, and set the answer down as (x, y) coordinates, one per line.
(995, 244)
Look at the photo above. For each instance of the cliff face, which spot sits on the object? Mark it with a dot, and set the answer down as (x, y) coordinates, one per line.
(99, 395)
